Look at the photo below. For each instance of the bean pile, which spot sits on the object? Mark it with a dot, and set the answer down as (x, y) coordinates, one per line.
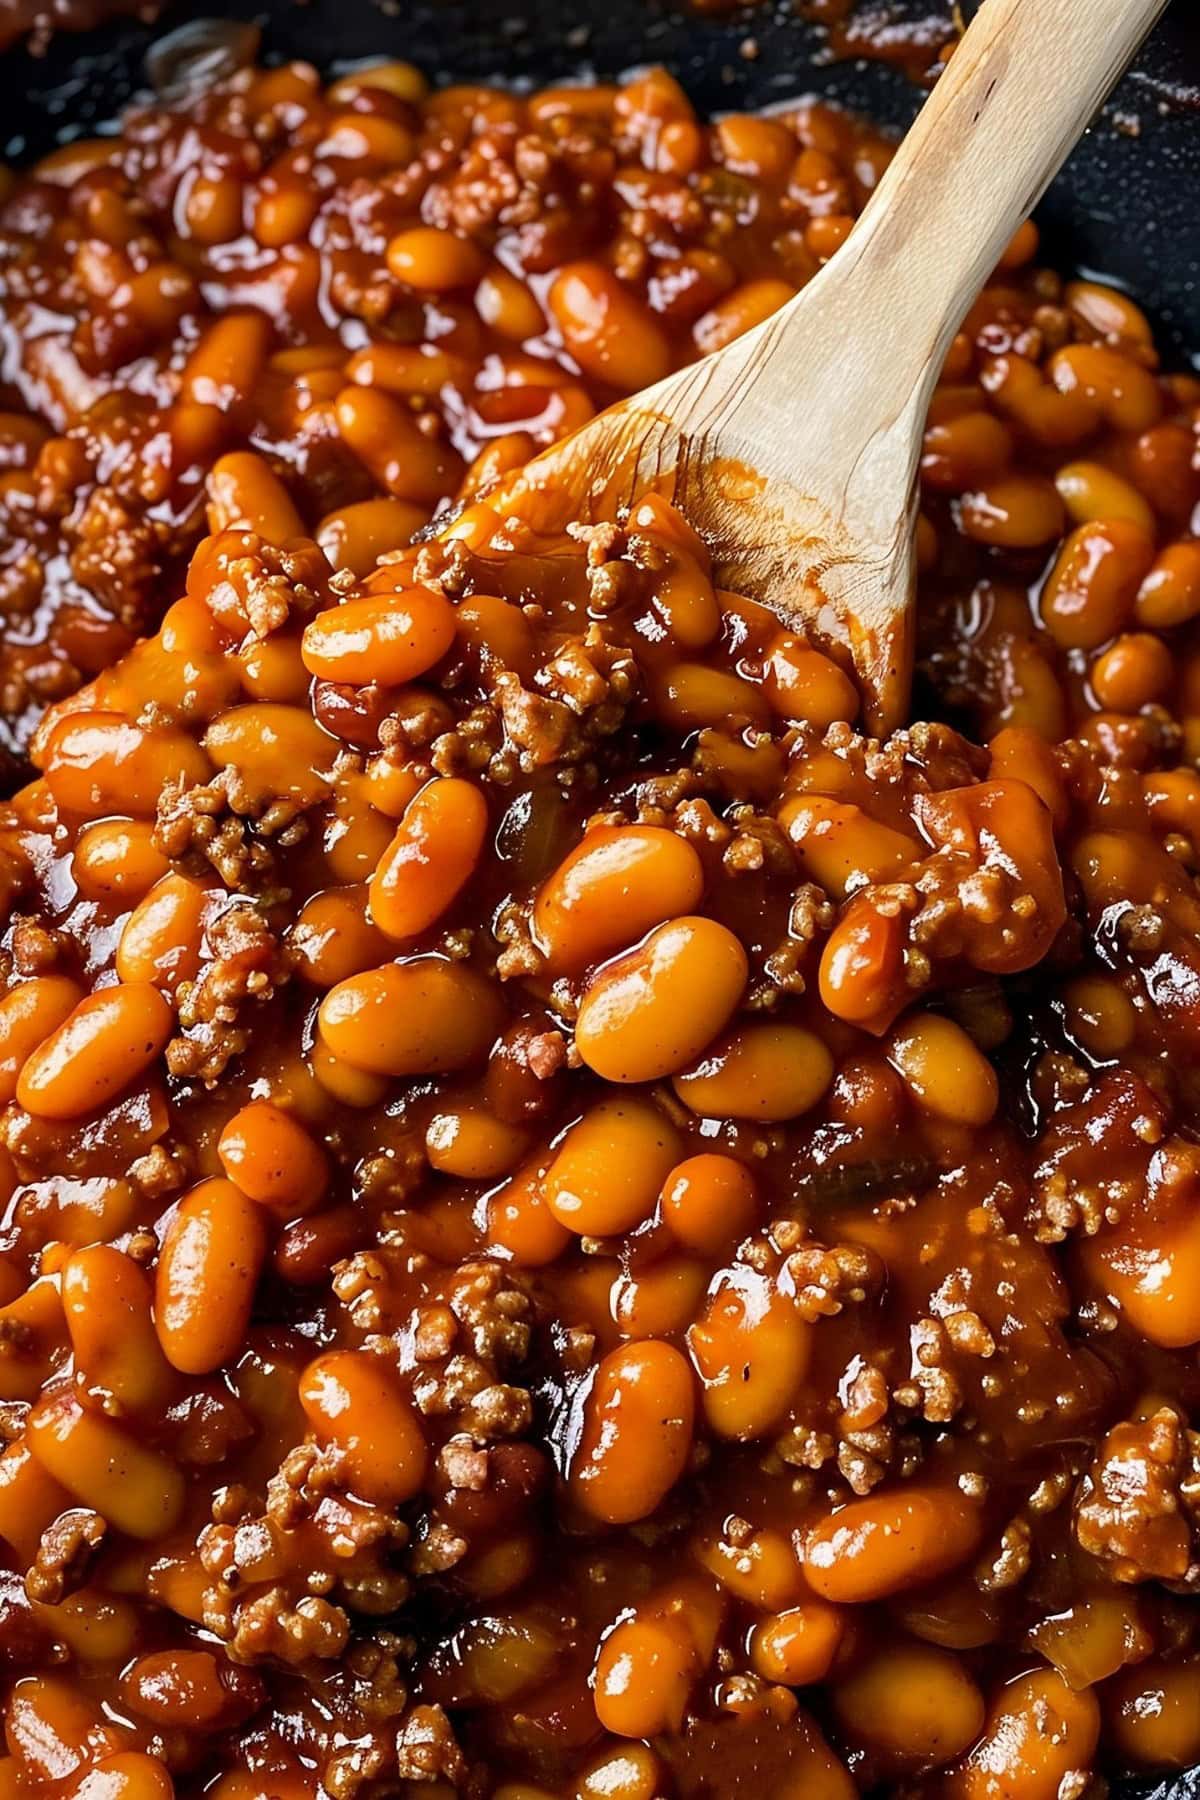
(575, 1226)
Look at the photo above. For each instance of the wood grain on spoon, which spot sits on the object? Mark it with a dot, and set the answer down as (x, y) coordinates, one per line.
(794, 450)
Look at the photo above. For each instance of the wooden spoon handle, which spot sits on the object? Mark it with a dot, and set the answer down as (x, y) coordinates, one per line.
(1017, 94)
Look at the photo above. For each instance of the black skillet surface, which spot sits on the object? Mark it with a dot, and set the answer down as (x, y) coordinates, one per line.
(1127, 206)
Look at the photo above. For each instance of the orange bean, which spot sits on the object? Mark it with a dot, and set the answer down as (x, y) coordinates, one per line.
(1014, 512)
(279, 751)
(520, 1223)
(356, 837)
(739, 311)
(333, 937)
(163, 936)
(637, 1432)
(97, 1052)
(1100, 1014)
(1170, 593)
(751, 1349)
(273, 669)
(30, 1499)
(107, 1304)
(622, 1772)
(644, 1676)
(763, 1071)
(894, 1539)
(1037, 1733)
(838, 846)
(964, 451)
(346, 1084)
(1153, 1714)
(208, 1269)
(29, 1014)
(1108, 312)
(431, 260)
(660, 1299)
(763, 149)
(35, 1332)
(129, 1775)
(1091, 491)
(138, 1490)
(1020, 754)
(98, 762)
(385, 638)
(649, 1012)
(498, 635)
(381, 432)
(803, 684)
(391, 785)
(431, 858)
(797, 1647)
(1135, 670)
(368, 138)
(611, 335)
(862, 967)
(912, 1703)
(1091, 589)
(52, 1730)
(610, 1167)
(271, 1157)
(1126, 393)
(245, 492)
(352, 1399)
(421, 1017)
(618, 882)
(943, 1071)
(409, 369)
(228, 358)
(212, 209)
(356, 536)
(1154, 1277)
(117, 859)
(508, 307)
(472, 1144)
(709, 1202)
(694, 695)
(760, 1570)
(96, 1627)
(189, 1687)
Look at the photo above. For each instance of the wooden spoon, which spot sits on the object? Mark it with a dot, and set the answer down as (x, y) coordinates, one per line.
(794, 450)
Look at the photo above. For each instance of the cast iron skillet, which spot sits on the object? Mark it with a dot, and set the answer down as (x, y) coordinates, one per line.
(1127, 206)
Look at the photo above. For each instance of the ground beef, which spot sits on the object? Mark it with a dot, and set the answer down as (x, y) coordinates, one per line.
(1134, 1507)
(64, 1555)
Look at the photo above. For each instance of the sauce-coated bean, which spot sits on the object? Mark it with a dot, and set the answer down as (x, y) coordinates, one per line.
(616, 884)
(892, 1540)
(352, 1399)
(431, 857)
(208, 1269)
(751, 1349)
(422, 1017)
(637, 1432)
(649, 1012)
(137, 1489)
(609, 1169)
(759, 1072)
(100, 1049)
(388, 638)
